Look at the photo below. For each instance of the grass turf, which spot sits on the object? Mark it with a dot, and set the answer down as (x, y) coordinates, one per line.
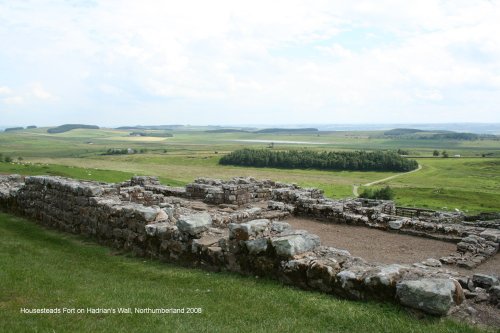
(41, 268)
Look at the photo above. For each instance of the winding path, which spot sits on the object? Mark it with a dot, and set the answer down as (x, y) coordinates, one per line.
(355, 187)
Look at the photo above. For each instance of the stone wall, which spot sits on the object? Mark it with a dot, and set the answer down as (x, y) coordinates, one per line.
(238, 226)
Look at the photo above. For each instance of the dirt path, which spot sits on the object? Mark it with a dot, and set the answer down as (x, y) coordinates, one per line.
(385, 247)
(355, 190)
(355, 187)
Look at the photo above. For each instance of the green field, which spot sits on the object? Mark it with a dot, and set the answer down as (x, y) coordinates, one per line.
(470, 183)
(38, 266)
(38, 270)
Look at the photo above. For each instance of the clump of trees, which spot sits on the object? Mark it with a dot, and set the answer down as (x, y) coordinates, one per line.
(323, 160)
(286, 130)
(6, 159)
(402, 131)
(384, 193)
(11, 129)
(457, 136)
(403, 152)
(152, 134)
(124, 151)
(69, 127)
(116, 151)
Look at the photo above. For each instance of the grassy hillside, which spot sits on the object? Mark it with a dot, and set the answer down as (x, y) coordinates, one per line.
(38, 271)
(468, 183)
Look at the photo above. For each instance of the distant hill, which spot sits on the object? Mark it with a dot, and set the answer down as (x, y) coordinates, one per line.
(464, 136)
(402, 131)
(147, 127)
(287, 130)
(128, 128)
(456, 136)
(69, 127)
(10, 129)
(227, 130)
(438, 134)
(478, 128)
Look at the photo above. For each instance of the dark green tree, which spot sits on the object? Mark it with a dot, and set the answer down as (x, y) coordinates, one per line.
(384, 193)
(323, 160)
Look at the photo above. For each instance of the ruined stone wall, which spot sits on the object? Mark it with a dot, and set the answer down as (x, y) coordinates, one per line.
(136, 216)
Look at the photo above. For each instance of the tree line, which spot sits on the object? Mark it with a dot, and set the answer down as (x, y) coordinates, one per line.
(69, 127)
(324, 160)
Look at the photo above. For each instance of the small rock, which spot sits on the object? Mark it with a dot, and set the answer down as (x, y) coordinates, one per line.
(257, 246)
(161, 216)
(434, 296)
(482, 297)
(288, 246)
(491, 235)
(147, 213)
(470, 310)
(431, 262)
(469, 294)
(156, 229)
(484, 281)
(194, 224)
(280, 226)
(396, 225)
(495, 295)
(244, 231)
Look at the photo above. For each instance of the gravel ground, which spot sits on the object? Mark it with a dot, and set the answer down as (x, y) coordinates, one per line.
(385, 247)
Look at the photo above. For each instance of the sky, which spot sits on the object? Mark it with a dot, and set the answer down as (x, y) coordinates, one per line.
(128, 62)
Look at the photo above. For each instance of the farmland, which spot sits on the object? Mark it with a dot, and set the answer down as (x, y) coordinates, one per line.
(470, 183)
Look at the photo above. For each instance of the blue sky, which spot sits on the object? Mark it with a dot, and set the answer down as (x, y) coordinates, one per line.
(234, 62)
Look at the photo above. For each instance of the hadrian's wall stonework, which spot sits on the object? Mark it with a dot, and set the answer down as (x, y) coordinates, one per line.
(240, 226)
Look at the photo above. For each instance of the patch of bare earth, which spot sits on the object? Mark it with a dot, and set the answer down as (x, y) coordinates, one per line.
(385, 247)
(390, 247)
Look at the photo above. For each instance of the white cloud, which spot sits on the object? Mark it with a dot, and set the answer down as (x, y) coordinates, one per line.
(39, 92)
(336, 50)
(288, 61)
(13, 100)
(5, 90)
(109, 89)
(430, 95)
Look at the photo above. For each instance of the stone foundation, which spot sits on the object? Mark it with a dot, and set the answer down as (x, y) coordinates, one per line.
(238, 226)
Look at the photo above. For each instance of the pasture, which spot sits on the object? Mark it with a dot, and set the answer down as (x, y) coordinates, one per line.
(38, 264)
(470, 183)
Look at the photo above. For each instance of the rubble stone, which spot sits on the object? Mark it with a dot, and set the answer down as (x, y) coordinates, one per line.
(484, 281)
(433, 296)
(194, 224)
(290, 245)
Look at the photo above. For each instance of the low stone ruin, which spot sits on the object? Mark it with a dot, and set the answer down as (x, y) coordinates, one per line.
(240, 226)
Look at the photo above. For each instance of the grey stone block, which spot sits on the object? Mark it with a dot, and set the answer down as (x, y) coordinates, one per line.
(194, 224)
(433, 296)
